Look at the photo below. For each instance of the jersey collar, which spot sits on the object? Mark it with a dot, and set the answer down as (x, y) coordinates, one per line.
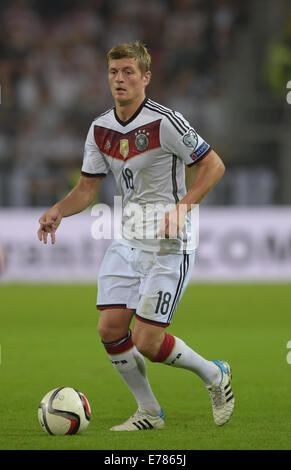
(124, 123)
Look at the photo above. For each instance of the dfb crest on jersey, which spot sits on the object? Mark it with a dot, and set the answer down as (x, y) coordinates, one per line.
(124, 147)
(141, 140)
(191, 139)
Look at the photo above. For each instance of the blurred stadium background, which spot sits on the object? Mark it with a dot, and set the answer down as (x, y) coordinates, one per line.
(224, 64)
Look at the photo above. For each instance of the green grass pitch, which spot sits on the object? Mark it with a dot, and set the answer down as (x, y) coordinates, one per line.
(49, 339)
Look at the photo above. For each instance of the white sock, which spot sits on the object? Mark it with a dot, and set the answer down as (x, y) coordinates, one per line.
(186, 358)
(131, 366)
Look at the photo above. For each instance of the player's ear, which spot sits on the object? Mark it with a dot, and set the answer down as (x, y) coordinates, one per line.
(147, 77)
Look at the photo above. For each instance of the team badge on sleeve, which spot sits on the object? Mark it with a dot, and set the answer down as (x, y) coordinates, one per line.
(191, 139)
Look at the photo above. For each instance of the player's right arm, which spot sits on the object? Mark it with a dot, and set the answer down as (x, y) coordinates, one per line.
(81, 196)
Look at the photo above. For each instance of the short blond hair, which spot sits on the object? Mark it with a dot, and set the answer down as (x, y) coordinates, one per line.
(134, 49)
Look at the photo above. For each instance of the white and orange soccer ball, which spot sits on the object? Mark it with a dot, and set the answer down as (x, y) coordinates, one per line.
(64, 410)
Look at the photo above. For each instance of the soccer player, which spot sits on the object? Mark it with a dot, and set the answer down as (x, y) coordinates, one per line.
(146, 146)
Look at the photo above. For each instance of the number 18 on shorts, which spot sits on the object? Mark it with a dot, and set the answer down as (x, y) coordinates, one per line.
(150, 283)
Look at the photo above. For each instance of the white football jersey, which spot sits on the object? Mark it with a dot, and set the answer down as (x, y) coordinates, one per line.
(147, 155)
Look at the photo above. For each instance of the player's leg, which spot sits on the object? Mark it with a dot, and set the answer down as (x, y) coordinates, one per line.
(113, 324)
(161, 293)
(216, 375)
(148, 338)
(158, 346)
(118, 294)
(115, 333)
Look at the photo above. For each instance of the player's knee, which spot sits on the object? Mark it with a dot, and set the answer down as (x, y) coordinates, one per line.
(113, 325)
(103, 331)
(146, 349)
(109, 332)
(148, 345)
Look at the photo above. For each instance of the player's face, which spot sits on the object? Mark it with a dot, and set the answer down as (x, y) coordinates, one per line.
(126, 82)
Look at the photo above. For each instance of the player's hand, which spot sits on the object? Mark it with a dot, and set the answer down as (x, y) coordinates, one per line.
(49, 223)
(173, 222)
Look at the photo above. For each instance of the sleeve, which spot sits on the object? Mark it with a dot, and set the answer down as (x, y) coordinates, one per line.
(179, 138)
(94, 163)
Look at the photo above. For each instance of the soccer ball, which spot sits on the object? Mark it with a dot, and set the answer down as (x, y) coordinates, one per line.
(64, 410)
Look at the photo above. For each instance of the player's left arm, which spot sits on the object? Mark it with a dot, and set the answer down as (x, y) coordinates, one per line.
(210, 169)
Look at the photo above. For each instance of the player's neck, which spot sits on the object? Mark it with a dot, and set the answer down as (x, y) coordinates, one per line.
(125, 111)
